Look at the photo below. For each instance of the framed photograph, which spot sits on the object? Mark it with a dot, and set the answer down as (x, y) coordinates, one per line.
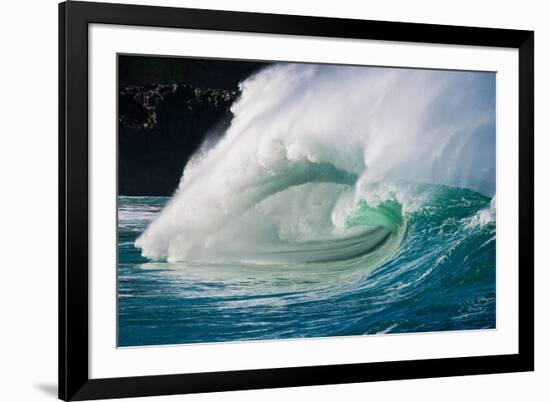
(256, 201)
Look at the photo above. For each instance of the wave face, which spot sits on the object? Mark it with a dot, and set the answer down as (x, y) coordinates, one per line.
(315, 164)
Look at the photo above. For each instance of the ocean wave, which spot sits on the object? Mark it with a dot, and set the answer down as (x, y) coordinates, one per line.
(292, 179)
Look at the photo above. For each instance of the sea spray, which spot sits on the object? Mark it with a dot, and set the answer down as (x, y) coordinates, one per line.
(314, 139)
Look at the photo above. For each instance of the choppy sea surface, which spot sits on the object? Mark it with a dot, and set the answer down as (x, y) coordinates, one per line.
(427, 268)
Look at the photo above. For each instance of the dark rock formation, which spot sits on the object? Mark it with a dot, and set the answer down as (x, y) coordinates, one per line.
(160, 127)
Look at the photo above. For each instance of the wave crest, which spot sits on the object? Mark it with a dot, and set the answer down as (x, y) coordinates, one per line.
(291, 180)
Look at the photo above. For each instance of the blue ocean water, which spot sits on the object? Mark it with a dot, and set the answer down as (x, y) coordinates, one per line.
(427, 268)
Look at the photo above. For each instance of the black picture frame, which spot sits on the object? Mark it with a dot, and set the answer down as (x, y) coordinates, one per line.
(74, 381)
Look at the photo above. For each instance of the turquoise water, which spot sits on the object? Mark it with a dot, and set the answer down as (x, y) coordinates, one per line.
(429, 267)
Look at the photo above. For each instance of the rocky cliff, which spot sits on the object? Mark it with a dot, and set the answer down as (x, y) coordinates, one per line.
(160, 127)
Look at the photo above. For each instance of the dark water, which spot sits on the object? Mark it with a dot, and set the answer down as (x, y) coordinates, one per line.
(434, 271)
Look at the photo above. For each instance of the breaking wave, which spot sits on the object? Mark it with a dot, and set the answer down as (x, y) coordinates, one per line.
(324, 163)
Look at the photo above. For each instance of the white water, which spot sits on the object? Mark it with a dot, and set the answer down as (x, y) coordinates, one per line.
(305, 142)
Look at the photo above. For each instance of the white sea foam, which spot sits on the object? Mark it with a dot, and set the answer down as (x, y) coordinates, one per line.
(484, 216)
